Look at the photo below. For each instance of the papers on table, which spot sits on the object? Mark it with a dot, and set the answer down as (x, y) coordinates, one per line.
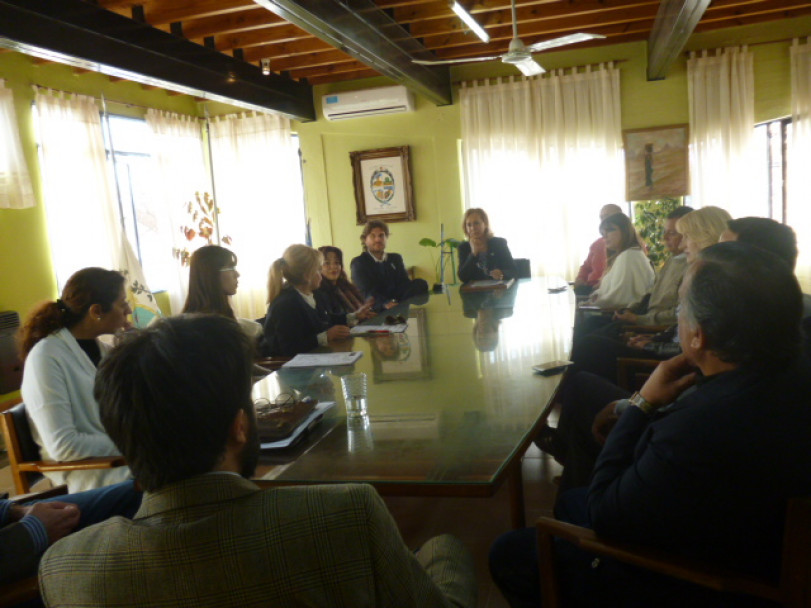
(360, 330)
(306, 424)
(486, 285)
(324, 359)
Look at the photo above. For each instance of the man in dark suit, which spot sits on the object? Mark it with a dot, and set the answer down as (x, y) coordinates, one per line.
(382, 275)
(176, 400)
(704, 457)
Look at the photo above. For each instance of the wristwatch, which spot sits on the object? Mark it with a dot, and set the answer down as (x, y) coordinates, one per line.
(643, 404)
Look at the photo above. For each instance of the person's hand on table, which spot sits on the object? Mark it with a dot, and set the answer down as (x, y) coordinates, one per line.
(625, 315)
(604, 421)
(365, 311)
(669, 380)
(391, 304)
(337, 332)
(639, 341)
(497, 274)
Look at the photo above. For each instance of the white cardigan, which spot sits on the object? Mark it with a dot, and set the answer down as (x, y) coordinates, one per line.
(57, 391)
(629, 278)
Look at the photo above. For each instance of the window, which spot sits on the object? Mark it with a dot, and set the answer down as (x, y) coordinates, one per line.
(771, 141)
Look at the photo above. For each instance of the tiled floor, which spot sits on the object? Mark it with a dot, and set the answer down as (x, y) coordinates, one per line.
(476, 521)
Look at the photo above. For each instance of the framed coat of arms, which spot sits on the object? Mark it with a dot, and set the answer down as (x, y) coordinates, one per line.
(382, 181)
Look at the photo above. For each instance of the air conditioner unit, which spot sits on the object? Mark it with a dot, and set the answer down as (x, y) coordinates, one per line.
(368, 102)
(11, 370)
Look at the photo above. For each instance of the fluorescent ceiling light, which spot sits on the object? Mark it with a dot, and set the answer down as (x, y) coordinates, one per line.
(471, 22)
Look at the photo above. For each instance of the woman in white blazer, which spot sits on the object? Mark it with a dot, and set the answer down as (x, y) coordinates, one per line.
(60, 348)
(629, 274)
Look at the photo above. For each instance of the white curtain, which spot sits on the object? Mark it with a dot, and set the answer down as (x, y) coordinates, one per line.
(79, 194)
(180, 173)
(257, 178)
(541, 156)
(799, 158)
(15, 182)
(722, 118)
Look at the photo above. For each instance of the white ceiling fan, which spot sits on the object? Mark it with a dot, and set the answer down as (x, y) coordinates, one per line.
(519, 55)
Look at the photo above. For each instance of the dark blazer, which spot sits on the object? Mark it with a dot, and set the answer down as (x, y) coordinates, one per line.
(384, 281)
(709, 477)
(498, 256)
(292, 325)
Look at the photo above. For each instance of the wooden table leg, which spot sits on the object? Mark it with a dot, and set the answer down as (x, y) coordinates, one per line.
(516, 485)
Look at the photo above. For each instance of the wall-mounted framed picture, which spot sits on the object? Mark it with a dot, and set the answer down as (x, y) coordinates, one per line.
(382, 180)
(656, 162)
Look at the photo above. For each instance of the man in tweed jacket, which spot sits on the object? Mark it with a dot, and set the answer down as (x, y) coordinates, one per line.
(175, 398)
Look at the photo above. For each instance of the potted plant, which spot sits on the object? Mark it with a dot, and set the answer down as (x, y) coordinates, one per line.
(446, 248)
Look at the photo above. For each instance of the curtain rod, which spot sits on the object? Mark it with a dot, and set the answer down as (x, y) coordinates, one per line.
(761, 43)
(574, 67)
(108, 100)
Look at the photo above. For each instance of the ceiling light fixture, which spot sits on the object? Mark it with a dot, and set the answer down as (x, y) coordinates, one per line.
(471, 22)
(265, 66)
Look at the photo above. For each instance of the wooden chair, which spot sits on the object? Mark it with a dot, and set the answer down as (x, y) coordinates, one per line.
(23, 452)
(632, 373)
(27, 589)
(793, 590)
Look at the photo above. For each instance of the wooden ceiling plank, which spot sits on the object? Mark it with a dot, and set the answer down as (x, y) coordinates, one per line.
(82, 34)
(330, 78)
(159, 12)
(337, 68)
(261, 37)
(287, 49)
(557, 20)
(371, 36)
(734, 10)
(675, 23)
(240, 21)
(310, 60)
(541, 30)
(746, 19)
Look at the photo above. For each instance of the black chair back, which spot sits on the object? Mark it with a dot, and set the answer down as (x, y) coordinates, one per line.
(523, 268)
(28, 447)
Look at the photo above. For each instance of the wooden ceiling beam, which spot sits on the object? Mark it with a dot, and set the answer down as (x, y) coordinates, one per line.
(312, 59)
(747, 19)
(82, 34)
(770, 9)
(368, 34)
(335, 68)
(675, 23)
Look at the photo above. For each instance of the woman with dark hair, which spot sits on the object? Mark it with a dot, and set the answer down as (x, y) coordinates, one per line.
(336, 293)
(213, 278)
(629, 274)
(483, 256)
(60, 348)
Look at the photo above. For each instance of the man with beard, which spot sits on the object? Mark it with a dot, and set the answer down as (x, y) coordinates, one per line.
(176, 400)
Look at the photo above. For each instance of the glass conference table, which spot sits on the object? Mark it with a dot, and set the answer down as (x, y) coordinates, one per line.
(453, 401)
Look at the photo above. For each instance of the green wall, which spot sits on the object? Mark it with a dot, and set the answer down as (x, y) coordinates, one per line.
(432, 132)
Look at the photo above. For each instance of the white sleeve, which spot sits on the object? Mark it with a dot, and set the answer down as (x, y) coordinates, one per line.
(53, 409)
(628, 279)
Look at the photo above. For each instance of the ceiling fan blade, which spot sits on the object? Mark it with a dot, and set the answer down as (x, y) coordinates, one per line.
(529, 67)
(449, 61)
(563, 40)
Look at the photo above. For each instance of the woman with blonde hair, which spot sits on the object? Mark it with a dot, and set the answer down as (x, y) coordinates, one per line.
(483, 256)
(629, 274)
(60, 349)
(295, 322)
(700, 229)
